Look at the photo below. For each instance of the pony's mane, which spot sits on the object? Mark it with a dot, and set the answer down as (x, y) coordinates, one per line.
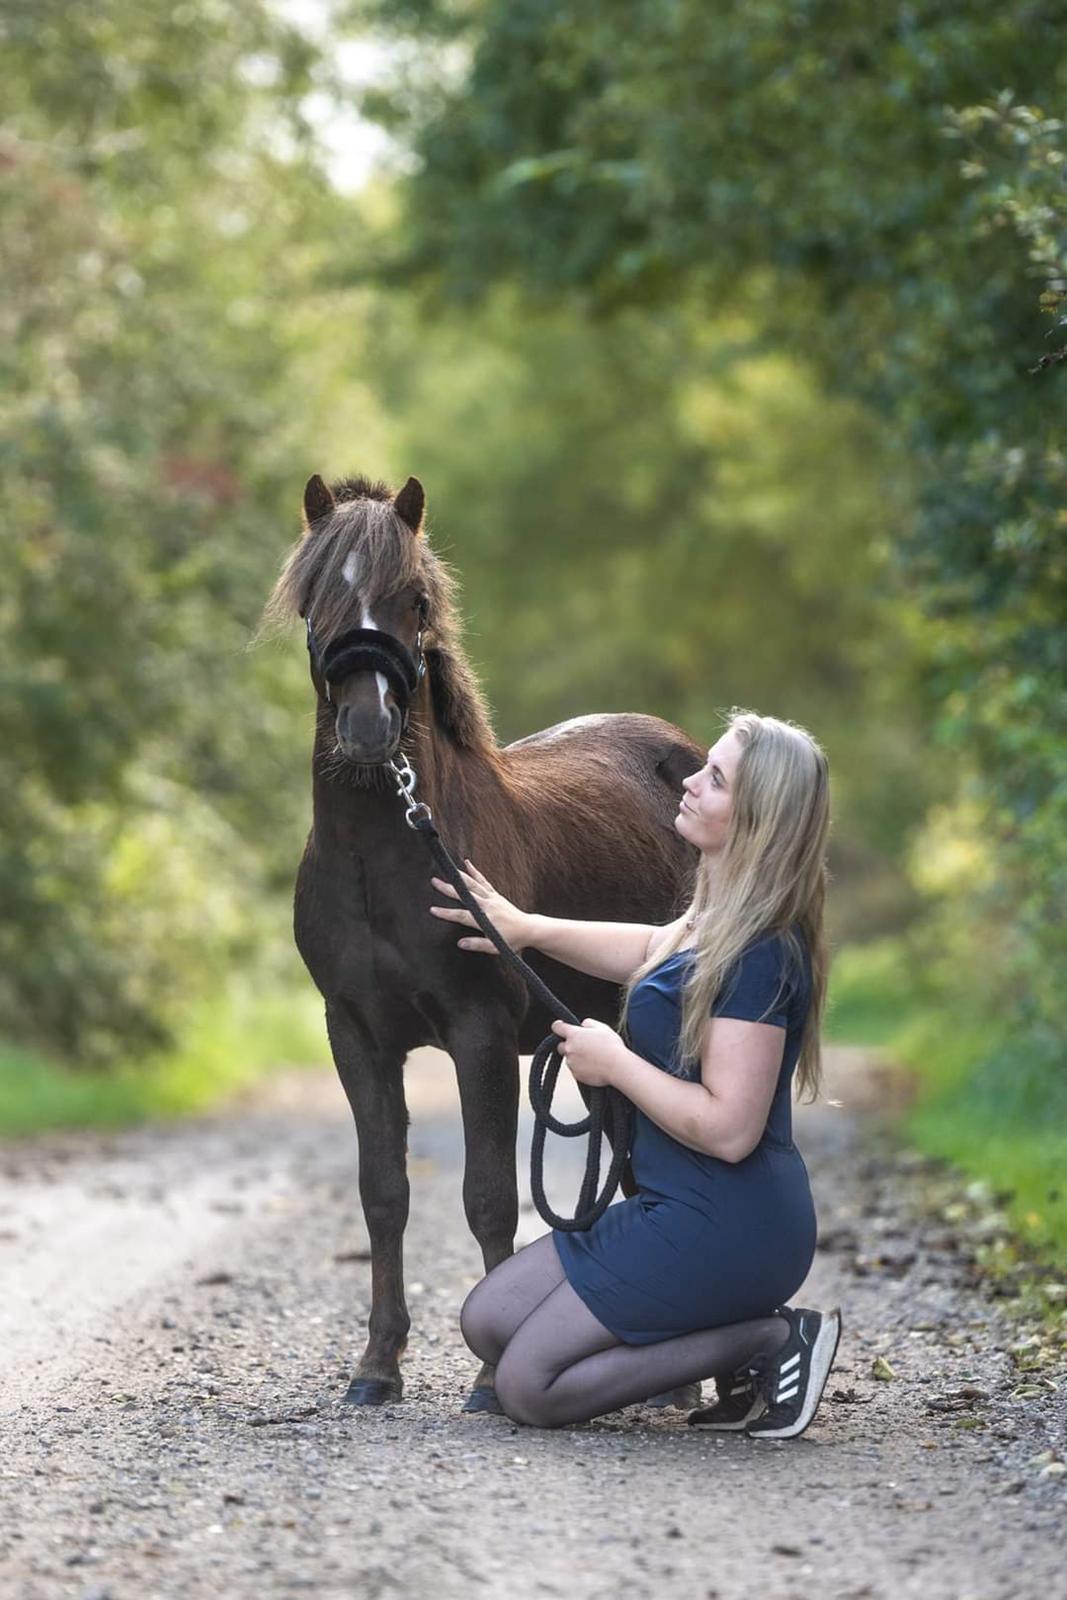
(388, 557)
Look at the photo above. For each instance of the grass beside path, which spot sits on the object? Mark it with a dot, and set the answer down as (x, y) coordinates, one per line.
(230, 1041)
(993, 1103)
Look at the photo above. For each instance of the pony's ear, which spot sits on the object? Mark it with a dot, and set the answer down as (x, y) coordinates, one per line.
(318, 501)
(410, 504)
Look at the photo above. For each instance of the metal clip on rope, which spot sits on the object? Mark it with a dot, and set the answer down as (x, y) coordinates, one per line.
(609, 1111)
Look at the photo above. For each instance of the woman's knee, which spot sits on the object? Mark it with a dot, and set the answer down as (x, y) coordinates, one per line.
(476, 1325)
(520, 1393)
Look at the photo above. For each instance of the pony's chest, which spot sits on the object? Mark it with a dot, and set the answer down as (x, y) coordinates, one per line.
(349, 933)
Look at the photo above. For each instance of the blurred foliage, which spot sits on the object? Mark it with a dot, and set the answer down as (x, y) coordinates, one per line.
(155, 198)
(665, 515)
(992, 1098)
(262, 1024)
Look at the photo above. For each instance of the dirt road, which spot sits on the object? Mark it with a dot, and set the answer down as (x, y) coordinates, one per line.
(181, 1310)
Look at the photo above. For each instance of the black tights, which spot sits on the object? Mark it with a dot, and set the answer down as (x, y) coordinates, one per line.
(556, 1363)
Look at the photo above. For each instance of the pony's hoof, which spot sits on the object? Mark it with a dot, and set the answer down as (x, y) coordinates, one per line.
(684, 1399)
(484, 1399)
(372, 1391)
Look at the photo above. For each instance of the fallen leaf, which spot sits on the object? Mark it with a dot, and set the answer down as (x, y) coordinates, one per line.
(1033, 1391)
(849, 1397)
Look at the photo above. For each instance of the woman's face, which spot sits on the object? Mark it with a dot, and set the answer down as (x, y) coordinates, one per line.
(703, 816)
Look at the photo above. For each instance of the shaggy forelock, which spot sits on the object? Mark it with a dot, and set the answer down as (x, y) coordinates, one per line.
(387, 557)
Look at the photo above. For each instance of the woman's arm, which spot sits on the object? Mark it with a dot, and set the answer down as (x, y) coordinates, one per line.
(611, 950)
(725, 1113)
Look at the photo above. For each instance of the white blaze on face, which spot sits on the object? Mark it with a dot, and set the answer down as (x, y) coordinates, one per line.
(379, 677)
(348, 573)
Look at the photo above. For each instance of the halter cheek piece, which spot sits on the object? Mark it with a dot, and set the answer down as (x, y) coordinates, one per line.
(370, 650)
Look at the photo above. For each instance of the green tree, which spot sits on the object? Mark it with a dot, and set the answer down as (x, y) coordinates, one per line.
(161, 205)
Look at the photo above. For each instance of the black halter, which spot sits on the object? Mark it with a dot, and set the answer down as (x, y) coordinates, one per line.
(369, 650)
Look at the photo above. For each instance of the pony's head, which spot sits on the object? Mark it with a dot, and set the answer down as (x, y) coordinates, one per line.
(374, 596)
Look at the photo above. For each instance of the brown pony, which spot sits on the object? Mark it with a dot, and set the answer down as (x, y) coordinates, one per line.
(575, 821)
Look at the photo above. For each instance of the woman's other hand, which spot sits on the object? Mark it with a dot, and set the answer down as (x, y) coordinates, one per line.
(511, 923)
(591, 1050)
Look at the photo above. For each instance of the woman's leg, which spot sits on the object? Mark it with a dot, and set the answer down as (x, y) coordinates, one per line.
(506, 1296)
(562, 1365)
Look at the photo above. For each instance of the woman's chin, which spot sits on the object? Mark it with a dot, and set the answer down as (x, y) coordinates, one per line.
(681, 823)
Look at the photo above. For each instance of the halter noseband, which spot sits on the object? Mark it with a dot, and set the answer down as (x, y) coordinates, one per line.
(369, 650)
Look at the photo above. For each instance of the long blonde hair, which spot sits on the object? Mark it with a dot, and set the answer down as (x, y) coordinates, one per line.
(770, 877)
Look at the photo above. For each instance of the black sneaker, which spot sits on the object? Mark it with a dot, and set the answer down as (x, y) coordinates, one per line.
(793, 1379)
(740, 1401)
(678, 1399)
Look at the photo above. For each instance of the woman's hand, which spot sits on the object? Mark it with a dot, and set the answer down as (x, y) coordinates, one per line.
(511, 923)
(592, 1050)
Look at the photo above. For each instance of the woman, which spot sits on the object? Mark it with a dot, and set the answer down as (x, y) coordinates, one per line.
(688, 1278)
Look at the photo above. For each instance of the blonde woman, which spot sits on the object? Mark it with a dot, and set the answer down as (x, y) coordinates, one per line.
(689, 1278)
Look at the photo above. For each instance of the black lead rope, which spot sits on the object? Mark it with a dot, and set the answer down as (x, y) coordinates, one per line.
(608, 1110)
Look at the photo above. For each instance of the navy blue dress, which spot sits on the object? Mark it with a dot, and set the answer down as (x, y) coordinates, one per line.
(704, 1241)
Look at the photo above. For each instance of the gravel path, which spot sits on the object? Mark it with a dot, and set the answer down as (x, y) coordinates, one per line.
(182, 1307)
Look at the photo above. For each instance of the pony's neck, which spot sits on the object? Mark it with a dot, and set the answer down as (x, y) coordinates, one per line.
(451, 700)
(449, 760)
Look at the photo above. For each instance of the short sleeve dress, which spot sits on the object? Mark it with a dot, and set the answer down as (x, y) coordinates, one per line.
(704, 1241)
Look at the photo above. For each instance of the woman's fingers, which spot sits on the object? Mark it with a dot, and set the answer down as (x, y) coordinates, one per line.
(455, 914)
(449, 888)
(479, 877)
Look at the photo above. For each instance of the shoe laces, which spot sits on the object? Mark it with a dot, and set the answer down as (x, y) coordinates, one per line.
(760, 1373)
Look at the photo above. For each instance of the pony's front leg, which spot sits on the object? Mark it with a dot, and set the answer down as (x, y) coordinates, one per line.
(485, 1052)
(374, 1084)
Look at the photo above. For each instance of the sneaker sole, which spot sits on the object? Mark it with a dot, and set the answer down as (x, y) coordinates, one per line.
(822, 1359)
(754, 1411)
(733, 1428)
